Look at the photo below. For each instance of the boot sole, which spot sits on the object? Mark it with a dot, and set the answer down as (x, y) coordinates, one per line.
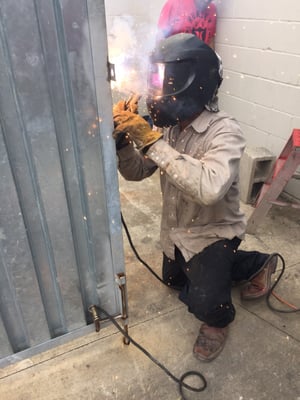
(263, 291)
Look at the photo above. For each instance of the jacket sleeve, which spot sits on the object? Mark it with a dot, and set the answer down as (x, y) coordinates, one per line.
(134, 165)
(207, 180)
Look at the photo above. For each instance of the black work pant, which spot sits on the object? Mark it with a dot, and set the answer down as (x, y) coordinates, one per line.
(205, 281)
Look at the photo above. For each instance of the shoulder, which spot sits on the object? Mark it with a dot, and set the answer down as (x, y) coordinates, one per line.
(170, 5)
(212, 8)
(165, 13)
(216, 121)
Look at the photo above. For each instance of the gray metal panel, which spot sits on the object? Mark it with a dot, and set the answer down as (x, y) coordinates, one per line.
(60, 228)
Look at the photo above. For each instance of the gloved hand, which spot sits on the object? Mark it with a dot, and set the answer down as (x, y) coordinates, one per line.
(122, 138)
(131, 104)
(138, 129)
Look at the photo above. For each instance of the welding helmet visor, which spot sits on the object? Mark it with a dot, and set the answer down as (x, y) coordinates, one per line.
(170, 78)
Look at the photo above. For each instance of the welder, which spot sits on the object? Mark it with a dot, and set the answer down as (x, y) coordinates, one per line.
(198, 150)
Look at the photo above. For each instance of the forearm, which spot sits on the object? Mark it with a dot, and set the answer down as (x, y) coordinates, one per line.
(133, 165)
(205, 181)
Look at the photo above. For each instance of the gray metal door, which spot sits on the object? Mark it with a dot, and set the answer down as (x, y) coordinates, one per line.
(60, 230)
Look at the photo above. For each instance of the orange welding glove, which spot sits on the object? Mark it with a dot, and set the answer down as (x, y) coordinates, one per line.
(131, 104)
(119, 106)
(138, 129)
(122, 139)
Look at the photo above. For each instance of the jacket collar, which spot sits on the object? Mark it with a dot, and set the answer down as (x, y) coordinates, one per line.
(203, 121)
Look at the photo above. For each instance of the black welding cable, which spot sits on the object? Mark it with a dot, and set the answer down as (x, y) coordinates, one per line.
(271, 290)
(137, 254)
(180, 381)
(189, 373)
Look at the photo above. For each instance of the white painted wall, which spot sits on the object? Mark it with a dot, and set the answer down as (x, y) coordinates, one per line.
(259, 42)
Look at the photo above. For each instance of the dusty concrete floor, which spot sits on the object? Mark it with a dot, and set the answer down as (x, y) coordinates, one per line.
(261, 360)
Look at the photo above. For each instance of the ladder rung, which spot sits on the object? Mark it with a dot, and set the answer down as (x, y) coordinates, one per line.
(285, 204)
(285, 168)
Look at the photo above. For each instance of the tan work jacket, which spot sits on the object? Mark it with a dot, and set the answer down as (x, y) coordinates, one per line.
(199, 180)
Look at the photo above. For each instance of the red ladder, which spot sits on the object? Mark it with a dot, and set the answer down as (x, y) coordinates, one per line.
(283, 170)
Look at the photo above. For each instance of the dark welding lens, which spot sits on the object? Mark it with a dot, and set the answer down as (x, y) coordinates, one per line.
(169, 79)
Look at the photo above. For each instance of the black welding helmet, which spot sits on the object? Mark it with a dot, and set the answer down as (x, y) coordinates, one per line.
(183, 76)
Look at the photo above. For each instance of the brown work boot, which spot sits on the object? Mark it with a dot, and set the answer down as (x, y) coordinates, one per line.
(210, 342)
(260, 284)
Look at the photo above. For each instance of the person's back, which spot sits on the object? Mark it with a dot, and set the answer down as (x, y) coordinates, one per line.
(197, 17)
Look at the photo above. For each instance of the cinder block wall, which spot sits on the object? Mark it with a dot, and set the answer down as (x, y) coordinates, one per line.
(259, 43)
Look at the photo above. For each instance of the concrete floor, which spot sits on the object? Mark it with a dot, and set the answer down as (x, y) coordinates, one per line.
(261, 359)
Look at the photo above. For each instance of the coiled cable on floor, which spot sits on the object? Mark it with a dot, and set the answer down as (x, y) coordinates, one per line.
(181, 384)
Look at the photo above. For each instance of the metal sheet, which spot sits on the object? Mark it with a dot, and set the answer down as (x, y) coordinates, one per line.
(60, 228)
